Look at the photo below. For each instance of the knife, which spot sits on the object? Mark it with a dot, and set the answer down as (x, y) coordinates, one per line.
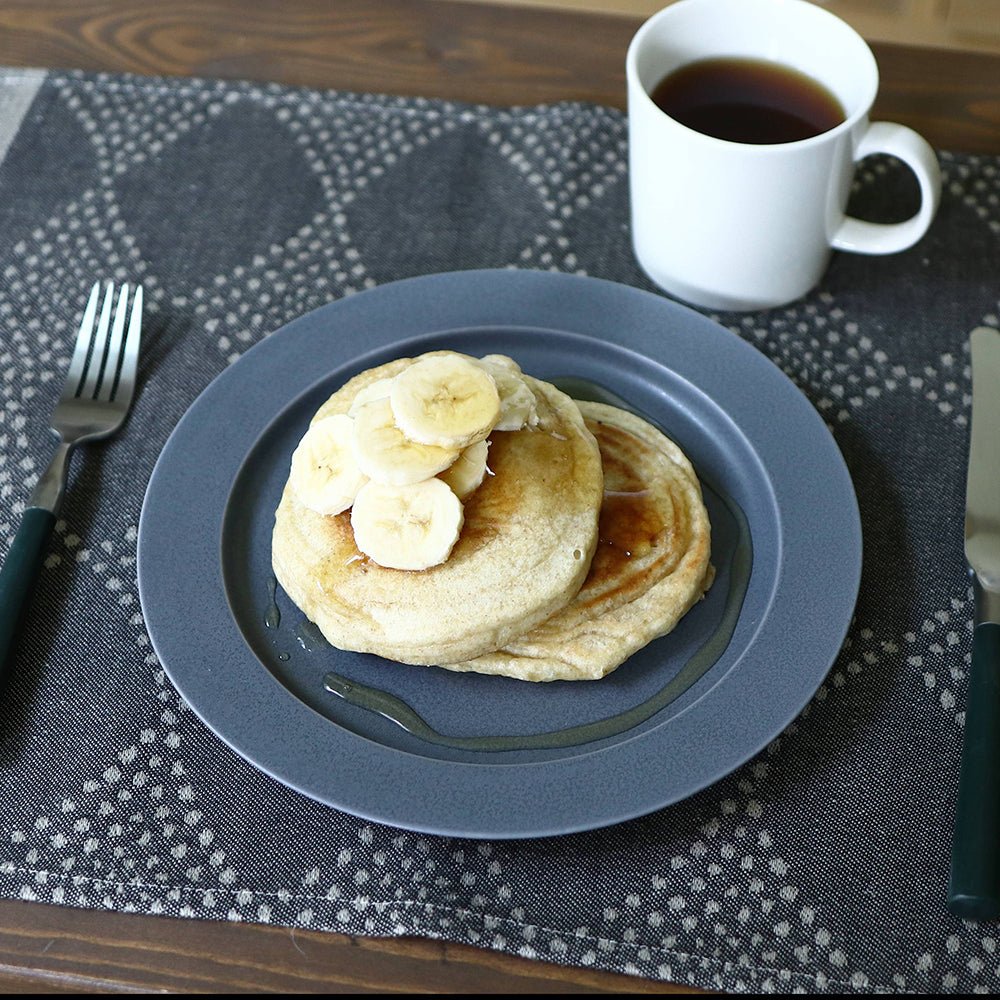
(974, 890)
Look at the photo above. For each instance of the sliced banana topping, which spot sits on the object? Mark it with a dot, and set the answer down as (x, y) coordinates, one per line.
(501, 361)
(517, 402)
(382, 456)
(325, 475)
(468, 471)
(407, 527)
(385, 454)
(377, 390)
(445, 400)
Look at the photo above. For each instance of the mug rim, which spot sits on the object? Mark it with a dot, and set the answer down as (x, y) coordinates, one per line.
(766, 149)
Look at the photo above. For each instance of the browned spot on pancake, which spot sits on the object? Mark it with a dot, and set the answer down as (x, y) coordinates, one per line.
(618, 446)
(631, 525)
(498, 496)
(335, 536)
(339, 525)
(636, 535)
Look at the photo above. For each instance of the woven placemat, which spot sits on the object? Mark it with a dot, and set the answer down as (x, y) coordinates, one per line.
(820, 865)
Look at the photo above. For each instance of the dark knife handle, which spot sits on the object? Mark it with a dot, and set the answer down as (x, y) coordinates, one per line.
(974, 892)
(17, 578)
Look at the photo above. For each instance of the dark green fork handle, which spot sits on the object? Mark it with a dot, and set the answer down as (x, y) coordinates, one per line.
(974, 892)
(17, 578)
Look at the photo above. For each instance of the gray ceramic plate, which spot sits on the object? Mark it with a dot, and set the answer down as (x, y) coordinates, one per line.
(774, 479)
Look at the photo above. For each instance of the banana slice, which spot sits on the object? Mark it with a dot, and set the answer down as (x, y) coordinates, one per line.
(445, 400)
(377, 390)
(325, 475)
(517, 402)
(407, 527)
(385, 455)
(501, 361)
(468, 471)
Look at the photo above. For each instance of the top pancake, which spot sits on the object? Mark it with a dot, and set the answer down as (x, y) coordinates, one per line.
(529, 535)
(651, 565)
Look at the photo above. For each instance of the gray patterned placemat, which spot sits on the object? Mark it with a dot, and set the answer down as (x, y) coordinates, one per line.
(820, 865)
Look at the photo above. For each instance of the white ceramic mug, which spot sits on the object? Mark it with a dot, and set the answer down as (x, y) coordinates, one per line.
(730, 225)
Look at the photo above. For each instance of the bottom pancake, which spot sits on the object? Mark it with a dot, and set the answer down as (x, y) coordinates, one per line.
(651, 565)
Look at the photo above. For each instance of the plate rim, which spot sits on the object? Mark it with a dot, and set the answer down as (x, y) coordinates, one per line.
(422, 291)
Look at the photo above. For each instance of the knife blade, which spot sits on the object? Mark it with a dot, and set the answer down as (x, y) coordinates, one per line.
(974, 888)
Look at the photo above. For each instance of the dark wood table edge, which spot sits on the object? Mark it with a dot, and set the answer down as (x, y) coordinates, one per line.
(49, 948)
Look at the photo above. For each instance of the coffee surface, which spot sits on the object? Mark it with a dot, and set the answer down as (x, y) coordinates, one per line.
(748, 101)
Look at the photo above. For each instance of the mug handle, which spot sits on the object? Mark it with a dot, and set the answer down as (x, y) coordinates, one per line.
(857, 236)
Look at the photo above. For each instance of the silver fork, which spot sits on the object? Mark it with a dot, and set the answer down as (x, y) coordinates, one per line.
(94, 402)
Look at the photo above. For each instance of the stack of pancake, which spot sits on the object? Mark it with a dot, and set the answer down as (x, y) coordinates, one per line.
(579, 537)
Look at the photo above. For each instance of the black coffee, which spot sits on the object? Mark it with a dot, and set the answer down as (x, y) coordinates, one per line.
(748, 100)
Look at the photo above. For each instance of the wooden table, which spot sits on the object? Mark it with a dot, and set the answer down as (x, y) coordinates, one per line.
(463, 51)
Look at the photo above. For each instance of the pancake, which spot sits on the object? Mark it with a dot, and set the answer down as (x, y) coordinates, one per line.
(651, 565)
(525, 548)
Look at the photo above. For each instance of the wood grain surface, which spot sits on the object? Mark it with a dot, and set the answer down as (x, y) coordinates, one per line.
(474, 52)
(57, 949)
(470, 52)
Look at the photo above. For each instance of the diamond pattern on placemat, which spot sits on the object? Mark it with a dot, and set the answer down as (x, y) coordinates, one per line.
(208, 189)
(819, 866)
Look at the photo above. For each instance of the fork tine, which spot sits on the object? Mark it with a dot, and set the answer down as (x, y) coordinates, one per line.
(77, 365)
(88, 390)
(125, 385)
(105, 389)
